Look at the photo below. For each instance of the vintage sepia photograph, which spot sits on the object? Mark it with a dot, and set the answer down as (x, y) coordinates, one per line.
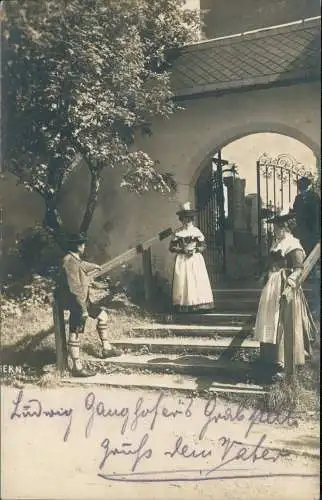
(160, 226)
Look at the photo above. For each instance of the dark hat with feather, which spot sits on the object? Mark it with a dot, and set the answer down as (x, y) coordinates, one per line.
(186, 210)
(283, 218)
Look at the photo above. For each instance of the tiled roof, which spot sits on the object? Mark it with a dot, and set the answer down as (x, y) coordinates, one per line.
(283, 53)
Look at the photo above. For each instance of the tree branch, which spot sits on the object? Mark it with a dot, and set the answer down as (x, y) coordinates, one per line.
(92, 199)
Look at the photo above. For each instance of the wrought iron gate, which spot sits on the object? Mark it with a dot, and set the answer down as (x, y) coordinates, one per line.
(211, 216)
(276, 189)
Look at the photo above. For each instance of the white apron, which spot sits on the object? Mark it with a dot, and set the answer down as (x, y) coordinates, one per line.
(191, 286)
(269, 326)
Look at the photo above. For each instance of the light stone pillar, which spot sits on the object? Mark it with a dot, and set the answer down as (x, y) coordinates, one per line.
(239, 204)
(236, 202)
(253, 213)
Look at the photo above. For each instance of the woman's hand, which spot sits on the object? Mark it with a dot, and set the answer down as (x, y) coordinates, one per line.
(288, 293)
(98, 285)
(201, 248)
(261, 279)
(190, 251)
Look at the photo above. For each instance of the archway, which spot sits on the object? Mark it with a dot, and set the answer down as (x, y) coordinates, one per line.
(230, 203)
(228, 136)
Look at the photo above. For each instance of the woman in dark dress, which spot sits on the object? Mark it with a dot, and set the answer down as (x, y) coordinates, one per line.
(281, 297)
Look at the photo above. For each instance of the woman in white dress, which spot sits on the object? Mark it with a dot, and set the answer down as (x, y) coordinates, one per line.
(191, 289)
(276, 303)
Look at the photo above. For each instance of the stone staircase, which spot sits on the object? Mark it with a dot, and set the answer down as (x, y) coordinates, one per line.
(190, 352)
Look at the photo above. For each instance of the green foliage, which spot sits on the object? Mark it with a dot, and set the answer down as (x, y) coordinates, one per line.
(36, 251)
(83, 78)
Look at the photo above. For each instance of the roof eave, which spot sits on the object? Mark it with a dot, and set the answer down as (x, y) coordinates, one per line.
(246, 85)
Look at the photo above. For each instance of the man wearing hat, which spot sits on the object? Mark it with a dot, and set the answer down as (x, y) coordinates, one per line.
(72, 292)
(307, 209)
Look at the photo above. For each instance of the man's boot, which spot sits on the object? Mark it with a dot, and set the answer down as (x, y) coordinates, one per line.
(108, 351)
(74, 352)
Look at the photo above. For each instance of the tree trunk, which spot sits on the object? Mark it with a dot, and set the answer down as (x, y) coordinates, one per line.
(53, 222)
(52, 219)
(91, 202)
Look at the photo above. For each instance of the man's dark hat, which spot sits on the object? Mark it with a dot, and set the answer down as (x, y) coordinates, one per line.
(304, 181)
(78, 238)
(187, 210)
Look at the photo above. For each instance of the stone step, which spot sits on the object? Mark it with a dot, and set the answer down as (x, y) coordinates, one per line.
(211, 319)
(240, 308)
(165, 382)
(168, 330)
(184, 344)
(247, 295)
(234, 304)
(172, 363)
(248, 292)
(235, 300)
(238, 292)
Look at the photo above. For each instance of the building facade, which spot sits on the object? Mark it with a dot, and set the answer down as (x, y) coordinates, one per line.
(266, 81)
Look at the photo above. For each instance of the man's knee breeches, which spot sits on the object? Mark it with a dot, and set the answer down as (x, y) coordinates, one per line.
(76, 321)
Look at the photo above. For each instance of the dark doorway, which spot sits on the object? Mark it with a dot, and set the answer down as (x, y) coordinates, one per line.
(209, 192)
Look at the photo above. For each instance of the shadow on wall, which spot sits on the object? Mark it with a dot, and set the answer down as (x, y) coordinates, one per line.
(22, 210)
(73, 205)
(121, 220)
(129, 280)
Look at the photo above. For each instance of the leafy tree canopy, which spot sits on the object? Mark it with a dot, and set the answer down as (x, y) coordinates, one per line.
(83, 77)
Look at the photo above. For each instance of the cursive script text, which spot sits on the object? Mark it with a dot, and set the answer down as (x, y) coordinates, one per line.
(33, 408)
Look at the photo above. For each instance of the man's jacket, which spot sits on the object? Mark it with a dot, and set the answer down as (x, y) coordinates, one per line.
(307, 208)
(73, 282)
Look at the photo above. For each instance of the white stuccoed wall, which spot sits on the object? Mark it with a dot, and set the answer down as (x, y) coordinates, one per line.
(192, 4)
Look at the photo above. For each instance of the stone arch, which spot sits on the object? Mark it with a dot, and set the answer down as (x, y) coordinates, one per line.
(207, 151)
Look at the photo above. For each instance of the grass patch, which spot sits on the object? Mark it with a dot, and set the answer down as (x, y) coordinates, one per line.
(28, 340)
(302, 395)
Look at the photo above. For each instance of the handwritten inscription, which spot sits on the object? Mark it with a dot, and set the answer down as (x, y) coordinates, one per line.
(130, 418)
(213, 415)
(235, 450)
(132, 441)
(33, 408)
(139, 452)
(183, 450)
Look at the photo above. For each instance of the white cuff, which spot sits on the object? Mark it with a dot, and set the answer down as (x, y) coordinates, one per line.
(291, 282)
